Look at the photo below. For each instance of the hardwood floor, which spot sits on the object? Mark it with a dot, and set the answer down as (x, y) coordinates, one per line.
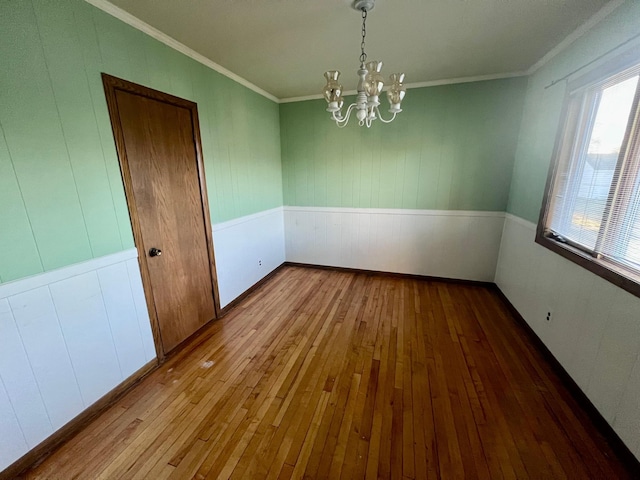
(325, 374)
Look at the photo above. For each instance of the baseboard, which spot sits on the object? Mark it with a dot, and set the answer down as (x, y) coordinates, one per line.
(626, 457)
(459, 281)
(37, 454)
(250, 290)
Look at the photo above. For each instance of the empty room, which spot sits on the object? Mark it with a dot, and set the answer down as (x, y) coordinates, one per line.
(319, 239)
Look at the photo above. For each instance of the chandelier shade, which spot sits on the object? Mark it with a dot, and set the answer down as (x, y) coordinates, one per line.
(332, 90)
(370, 86)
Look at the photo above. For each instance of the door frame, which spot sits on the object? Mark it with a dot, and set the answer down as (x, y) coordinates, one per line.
(111, 84)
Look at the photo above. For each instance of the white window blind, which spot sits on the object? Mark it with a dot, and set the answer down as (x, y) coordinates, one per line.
(594, 202)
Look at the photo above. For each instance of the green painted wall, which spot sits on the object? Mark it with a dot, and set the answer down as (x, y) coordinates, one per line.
(543, 106)
(61, 196)
(452, 148)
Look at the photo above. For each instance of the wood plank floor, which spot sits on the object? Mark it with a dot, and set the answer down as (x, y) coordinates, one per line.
(325, 374)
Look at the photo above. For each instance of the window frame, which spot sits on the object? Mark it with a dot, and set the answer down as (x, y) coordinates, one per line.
(625, 278)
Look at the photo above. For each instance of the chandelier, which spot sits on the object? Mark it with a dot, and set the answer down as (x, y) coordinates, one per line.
(370, 85)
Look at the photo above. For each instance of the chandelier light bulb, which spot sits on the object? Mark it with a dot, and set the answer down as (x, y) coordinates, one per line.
(332, 89)
(374, 81)
(396, 92)
(370, 85)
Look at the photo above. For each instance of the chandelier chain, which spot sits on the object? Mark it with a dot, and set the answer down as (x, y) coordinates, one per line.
(365, 108)
(363, 55)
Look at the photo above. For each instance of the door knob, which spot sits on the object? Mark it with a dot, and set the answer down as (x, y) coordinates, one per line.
(155, 252)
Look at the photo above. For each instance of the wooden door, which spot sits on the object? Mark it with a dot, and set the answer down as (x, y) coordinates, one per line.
(158, 143)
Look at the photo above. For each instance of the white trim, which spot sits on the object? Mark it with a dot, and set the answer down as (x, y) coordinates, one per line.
(247, 218)
(577, 33)
(397, 211)
(315, 96)
(520, 221)
(40, 280)
(135, 22)
(433, 83)
(476, 78)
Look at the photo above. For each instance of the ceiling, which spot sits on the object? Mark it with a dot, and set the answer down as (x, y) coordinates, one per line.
(284, 46)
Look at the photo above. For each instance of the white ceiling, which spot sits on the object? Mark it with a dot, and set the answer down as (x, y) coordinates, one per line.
(285, 46)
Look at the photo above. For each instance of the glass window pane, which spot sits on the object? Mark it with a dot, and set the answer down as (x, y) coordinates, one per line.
(626, 246)
(588, 182)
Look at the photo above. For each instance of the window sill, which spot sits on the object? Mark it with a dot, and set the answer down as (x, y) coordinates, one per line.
(602, 268)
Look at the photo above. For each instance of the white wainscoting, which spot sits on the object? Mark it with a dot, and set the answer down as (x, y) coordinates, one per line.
(67, 337)
(595, 327)
(448, 244)
(247, 249)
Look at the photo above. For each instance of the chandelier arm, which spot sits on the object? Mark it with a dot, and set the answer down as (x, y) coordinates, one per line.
(369, 85)
(369, 118)
(382, 119)
(342, 121)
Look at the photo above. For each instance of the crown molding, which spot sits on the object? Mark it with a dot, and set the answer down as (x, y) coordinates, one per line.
(135, 22)
(577, 33)
(304, 98)
(563, 45)
(476, 78)
(434, 83)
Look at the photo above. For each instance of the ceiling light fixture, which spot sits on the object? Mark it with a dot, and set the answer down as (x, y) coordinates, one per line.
(370, 85)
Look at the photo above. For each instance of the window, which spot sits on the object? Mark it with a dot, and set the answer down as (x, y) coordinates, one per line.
(591, 213)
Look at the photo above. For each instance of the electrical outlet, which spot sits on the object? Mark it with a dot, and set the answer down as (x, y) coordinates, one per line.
(259, 263)
(549, 316)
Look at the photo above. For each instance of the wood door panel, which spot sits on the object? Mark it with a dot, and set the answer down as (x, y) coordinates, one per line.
(162, 158)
